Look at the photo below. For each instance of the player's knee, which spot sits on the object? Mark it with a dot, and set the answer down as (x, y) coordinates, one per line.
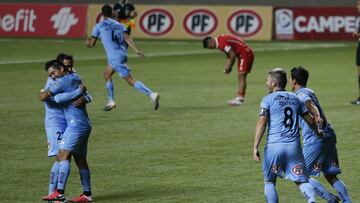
(331, 178)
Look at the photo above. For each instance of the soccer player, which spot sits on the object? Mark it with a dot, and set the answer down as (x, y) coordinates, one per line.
(76, 135)
(320, 152)
(234, 48)
(116, 41)
(126, 14)
(55, 122)
(356, 34)
(280, 110)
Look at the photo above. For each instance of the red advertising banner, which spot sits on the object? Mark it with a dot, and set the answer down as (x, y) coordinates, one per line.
(43, 20)
(335, 23)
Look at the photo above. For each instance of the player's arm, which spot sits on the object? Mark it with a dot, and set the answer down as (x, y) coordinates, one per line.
(68, 96)
(314, 112)
(259, 132)
(91, 42)
(231, 56)
(44, 95)
(85, 98)
(312, 124)
(131, 43)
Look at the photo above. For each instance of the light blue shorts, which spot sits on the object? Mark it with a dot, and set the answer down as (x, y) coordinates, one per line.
(119, 65)
(280, 159)
(323, 157)
(54, 135)
(75, 139)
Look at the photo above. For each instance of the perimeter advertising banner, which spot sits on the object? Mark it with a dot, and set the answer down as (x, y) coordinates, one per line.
(196, 22)
(336, 23)
(42, 20)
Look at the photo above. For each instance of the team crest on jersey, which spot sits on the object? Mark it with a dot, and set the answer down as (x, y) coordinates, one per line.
(336, 163)
(298, 170)
(275, 169)
(317, 166)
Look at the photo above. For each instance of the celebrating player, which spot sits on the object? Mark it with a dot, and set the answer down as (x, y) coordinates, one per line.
(75, 137)
(234, 48)
(280, 110)
(116, 41)
(320, 152)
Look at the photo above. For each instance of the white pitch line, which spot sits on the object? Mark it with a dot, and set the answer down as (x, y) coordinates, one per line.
(162, 54)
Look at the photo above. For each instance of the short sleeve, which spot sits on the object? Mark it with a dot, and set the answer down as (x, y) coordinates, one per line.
(303, 109)
(95, 32)
(264, 107)
(303, 97)
(227, 48)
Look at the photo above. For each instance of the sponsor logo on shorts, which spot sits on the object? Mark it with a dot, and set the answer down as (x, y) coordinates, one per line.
(298, 170)
(275, 169)
(317, 166)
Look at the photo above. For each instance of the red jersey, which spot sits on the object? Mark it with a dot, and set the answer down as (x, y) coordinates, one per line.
(226, 43)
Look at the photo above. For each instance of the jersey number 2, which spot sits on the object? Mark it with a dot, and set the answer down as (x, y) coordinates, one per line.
(288, 120)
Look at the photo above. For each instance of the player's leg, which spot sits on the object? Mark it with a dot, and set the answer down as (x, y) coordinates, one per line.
(271, 169)
(108, 72)
(357, 101)
(339, 186)
(271, 194)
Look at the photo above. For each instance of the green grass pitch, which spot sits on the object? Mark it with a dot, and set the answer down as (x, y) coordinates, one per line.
(195, 148)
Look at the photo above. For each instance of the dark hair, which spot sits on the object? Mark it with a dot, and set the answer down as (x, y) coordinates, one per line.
(206, 41)
(54, 63)
(107, 11)
(300, 75)
(63, 56)
(279, 75)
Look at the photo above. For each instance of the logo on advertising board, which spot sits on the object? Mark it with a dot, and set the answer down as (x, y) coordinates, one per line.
(200, 22)
(156, 22)
(244, 23)
(63, 20)
(22, 21)
(284, 24)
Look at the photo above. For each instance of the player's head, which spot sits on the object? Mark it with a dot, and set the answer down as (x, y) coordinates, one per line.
(55, 69)
(299, 76)
(276, 79)
(107, 11)
(67, 60)
(209, 43)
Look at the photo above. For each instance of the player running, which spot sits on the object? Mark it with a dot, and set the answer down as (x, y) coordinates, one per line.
(75, 137)
(115, 40)
(280, 110)
(234, 48)
(320, 152)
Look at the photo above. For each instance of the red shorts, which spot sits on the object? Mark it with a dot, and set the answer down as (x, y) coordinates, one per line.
(245, 63)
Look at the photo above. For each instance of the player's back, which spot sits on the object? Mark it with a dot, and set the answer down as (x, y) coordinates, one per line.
(237, 44)
(54, 114)
(111, 33)
(74, 115)
(306, 94)
(284, 109)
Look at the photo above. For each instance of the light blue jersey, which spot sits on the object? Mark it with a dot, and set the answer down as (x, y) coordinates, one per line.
(54, 114)
(284, 109)
(320, 152)
(111, 34)
(310, 137)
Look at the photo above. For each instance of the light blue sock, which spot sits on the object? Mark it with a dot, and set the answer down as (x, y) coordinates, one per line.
(320, 190)
(54, 177)
(308, 192)
(340, 188)
(270, 192)
(64, 173)
(85, 179)
(110, 89)
(142, 88)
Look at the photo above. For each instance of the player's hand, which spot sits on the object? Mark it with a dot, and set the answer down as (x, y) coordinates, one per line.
(256, 155)
(79, 102)
(83, 88)
(227, 71)
(140, 54)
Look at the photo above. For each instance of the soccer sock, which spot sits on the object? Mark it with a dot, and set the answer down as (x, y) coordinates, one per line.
(359, 84)
(320, 190)
(54, 177)
(64, 173)
(270, 192)
(308, 192)
(142, 88)
(340, 188)
(110, 89)
(85, 180)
